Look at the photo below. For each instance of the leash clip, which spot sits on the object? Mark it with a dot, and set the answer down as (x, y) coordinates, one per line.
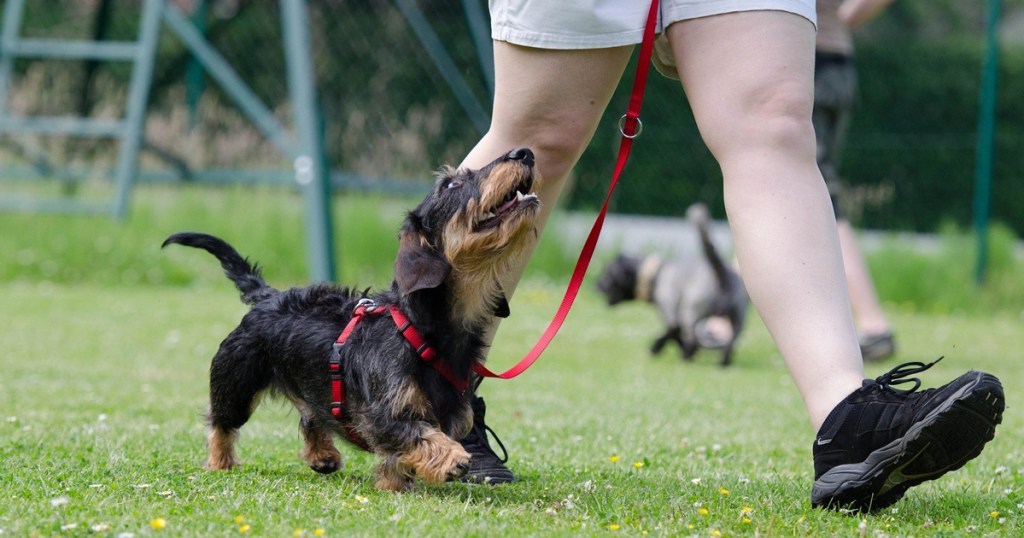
(622, 127)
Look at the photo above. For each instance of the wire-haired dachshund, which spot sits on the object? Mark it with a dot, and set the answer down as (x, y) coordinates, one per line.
(387, 370)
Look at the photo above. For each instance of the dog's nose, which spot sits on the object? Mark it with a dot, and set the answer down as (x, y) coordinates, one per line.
(522, 154)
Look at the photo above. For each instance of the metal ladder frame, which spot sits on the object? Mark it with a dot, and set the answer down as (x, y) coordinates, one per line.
(304, 146)
(128, 130)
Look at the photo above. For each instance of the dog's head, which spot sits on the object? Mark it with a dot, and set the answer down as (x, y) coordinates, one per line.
(618, 281)
(472, 224)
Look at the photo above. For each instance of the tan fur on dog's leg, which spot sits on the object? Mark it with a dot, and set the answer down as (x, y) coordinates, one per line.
(437, 458)
(222, 450)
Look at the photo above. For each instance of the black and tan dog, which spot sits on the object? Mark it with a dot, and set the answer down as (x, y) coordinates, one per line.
(399, 391)
(686, 292)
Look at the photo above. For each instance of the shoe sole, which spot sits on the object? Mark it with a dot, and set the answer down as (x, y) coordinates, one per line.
(961, 424)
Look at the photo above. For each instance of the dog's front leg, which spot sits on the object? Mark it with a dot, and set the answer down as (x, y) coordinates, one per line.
(416, 448)
(436, 457)
(393, 475)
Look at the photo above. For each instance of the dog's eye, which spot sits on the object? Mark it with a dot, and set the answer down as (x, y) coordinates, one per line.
(453, 183)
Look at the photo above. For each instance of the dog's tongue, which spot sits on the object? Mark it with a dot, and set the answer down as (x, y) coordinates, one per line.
(507, 205)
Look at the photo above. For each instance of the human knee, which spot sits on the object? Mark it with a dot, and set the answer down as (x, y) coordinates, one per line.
(557, 143)
(779, 120)
(782, 118)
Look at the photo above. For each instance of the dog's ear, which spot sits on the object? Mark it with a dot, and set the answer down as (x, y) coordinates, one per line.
(501, 309)
(417, 266)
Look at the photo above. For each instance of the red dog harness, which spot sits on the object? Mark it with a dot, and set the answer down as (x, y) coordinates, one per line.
(367, 307)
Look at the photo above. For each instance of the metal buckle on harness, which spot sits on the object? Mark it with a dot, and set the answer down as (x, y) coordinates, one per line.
(367, 305)
(337, 389)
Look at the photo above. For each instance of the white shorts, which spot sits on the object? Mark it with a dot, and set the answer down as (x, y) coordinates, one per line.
(595, 24)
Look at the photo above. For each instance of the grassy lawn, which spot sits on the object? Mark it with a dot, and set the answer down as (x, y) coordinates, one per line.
(103, 388)
(103, 384)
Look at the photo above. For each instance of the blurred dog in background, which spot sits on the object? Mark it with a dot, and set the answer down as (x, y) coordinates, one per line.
(687, 293)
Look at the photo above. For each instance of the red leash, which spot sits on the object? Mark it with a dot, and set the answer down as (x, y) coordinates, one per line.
(630, 126)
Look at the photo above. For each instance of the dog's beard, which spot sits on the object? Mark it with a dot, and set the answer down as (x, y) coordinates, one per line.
(481, 258)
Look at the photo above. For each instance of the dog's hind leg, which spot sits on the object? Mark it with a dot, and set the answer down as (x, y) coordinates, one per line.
(235, 386)
(688, 316)
(319, 451)
(688, 342)
(727, 353)
(672, 333)
(401, 428)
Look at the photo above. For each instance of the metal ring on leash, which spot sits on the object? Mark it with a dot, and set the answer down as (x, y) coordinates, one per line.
(622, 125)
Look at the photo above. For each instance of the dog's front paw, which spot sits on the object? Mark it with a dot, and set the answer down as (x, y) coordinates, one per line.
(459, 470)
(436, 458)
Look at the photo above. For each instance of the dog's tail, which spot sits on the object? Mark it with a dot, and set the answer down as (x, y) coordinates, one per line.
(699, 215)
(246, 276)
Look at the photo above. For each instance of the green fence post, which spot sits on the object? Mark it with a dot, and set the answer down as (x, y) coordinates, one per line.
(310, 172)
(986, 135)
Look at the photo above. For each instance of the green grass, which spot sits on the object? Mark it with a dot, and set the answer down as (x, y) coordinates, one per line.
(103, 384)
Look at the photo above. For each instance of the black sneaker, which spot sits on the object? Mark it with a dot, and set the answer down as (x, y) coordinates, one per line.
(485, 467)
(877, 347)
(880, 441)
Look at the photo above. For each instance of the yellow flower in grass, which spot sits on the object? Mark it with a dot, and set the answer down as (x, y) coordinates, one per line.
(638, 464)
(239, 519)
(716, 533)
(994, 515)
(319, 532)
(614, 527)
(702, 511)
(244, 529)
(614, 459)
(298, 532)
(158, 523)
(723, 491)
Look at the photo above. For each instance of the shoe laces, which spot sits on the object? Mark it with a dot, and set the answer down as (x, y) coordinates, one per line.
(482, 432)
(901, 375)
(481, 429)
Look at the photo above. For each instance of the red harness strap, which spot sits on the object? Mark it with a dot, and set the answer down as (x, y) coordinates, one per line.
(428, 354)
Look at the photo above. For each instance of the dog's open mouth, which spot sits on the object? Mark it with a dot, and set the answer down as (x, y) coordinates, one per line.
(513, 199)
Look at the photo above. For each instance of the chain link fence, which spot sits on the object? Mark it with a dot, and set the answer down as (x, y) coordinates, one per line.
(403, 88)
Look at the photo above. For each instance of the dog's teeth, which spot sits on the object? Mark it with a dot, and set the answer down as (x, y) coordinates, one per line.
(486, 216)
